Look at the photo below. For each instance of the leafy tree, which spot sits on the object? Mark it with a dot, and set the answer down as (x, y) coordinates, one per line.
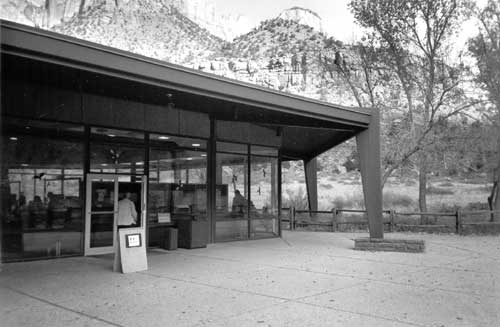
(304, 67)
(415, 37)
(485, 48)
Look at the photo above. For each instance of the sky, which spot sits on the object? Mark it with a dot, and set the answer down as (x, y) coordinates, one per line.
(336, 17)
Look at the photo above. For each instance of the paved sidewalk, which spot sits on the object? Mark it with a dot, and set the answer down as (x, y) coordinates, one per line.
(304, 279)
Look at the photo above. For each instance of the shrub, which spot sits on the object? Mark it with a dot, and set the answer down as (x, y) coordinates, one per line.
(296, 199)
(446, 184)
(338, 202)
(483, 188)
(392, 200)
(439, 191)
(410, 182)
(473, 206)
(354, 201)
(326, 186)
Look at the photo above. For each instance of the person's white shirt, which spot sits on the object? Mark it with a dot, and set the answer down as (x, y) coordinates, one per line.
(127, 215)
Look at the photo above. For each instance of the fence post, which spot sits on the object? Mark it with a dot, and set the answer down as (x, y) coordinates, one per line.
(292, 218)
(334, 220)
(459, 221)
(391, 222)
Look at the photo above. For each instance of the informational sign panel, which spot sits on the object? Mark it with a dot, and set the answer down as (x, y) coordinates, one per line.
(130, 254)
(164, 217)
(133, 240)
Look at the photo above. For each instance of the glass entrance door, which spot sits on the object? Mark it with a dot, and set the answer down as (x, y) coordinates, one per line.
(101, 214)
(104, 193)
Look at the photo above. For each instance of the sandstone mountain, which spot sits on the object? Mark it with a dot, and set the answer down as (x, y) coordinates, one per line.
(147, 27)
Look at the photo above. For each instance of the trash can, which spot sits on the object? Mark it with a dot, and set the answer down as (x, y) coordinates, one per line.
(169, 240)
(193, 233)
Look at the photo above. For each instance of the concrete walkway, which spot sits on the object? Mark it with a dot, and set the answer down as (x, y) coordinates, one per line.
(304, 279)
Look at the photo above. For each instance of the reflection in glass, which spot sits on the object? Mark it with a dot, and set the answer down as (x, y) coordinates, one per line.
(42, 189)
(264, 196)
(116, 151)
(101, 229)
(103, 196)
(116, 158)
(177, 178)
(231, 197)
(116, 135)
(264, 151)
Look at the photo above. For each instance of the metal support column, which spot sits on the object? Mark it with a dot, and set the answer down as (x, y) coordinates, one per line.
(368, 143)
(311, 173)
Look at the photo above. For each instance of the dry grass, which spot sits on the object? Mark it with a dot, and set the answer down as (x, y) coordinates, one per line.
(438, 190)
(401, 196)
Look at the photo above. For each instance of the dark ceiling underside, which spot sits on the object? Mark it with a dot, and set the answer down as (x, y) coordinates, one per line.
(303, 137)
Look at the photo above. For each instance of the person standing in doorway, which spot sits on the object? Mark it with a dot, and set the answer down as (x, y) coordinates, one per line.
(127, 215)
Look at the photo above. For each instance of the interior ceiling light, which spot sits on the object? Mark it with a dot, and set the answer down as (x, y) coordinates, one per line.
(196, 144)
(189, 158)
(111, 135)
(203, 155)
(104, 165)
(139, 163)
(170, 101)
(13, 138)
(24, 165)
(163, 137)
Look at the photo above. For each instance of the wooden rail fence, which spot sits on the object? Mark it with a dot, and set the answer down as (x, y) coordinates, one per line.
(333, 224)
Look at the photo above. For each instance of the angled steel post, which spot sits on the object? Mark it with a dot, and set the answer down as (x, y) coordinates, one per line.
(368, 143)
(311, 173)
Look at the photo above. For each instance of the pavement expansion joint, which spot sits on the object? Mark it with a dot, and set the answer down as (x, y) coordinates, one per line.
(56, 305)
(409, 323)
(286, 242)
(433, 288)
(478, 253)
(189, 281)
(208, 257)
(267, 307)
(299, 299)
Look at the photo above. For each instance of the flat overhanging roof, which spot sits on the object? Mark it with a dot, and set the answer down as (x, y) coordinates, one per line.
(310, 127)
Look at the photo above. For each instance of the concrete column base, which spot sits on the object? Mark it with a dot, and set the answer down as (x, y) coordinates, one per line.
(393, 245)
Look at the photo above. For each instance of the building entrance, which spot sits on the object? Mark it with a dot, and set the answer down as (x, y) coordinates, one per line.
(112, 201)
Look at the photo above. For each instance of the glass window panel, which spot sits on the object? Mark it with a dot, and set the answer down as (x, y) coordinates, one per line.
(231, 197)
(263, 151)
(116, 158)
(264, 196)
(101, 230)
(263, 228)
(177, 178)
(232, 147)
(116, 151)
(116, 134)
(42, 176)
(174, 142)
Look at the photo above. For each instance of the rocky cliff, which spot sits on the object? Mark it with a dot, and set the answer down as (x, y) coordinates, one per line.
(304, 17)
(148, 27)
(206, 14)
(47, 14)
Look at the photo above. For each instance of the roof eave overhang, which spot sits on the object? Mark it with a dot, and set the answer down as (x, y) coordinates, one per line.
(68, 51)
